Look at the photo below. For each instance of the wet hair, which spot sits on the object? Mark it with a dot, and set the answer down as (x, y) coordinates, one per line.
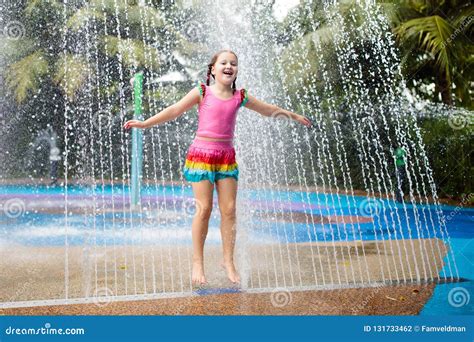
(213, 61)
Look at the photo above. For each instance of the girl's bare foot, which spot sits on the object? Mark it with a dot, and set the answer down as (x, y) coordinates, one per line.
(198, 274)
(231, 272)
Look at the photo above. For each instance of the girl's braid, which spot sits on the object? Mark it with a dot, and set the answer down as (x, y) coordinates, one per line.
(209, 74)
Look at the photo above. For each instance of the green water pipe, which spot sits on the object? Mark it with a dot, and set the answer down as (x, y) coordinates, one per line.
(137, 141)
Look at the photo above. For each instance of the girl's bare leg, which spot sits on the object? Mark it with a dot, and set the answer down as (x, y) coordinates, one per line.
(227, 194)
(203, 192)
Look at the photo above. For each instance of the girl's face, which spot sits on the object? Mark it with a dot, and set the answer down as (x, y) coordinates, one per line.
(226, 68)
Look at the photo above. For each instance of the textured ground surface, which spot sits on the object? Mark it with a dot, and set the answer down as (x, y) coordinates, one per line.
(31, 273)
(38, 274)
(390, 300)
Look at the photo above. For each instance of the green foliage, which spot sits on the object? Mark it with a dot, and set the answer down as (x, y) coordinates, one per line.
(312, 58)
(71, 73)
(450, 152)
(15, 49)
(82, 48)
(134, 15)
(145, 15)
(45, 19)
(431, 34)
(434, 39)
(38, 7)
(134, 53)
(25, 75)
(82, 16)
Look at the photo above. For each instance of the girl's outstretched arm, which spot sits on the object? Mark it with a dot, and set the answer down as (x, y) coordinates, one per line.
(169, 113)
(273, 111)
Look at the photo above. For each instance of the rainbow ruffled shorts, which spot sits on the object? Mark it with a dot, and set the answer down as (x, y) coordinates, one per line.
(211, 160)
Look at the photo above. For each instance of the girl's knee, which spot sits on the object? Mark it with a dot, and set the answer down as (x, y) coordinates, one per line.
(228, 209)
(204, 211)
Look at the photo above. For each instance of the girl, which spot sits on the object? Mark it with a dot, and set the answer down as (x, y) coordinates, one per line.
(211, 157)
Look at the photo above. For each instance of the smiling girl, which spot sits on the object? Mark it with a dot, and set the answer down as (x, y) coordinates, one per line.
(211, 159)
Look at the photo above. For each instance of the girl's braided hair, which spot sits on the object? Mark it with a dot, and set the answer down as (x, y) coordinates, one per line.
(211, 64)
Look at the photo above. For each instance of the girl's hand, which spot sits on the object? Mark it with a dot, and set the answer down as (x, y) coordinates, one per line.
(134, 124)
(304, 120)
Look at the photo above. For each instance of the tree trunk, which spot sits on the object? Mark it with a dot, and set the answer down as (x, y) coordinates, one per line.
(444, 86)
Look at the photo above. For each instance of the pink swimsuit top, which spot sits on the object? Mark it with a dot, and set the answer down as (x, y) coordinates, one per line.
(217, 117)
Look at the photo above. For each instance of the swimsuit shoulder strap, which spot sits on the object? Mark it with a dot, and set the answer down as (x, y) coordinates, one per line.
(202, 89)
(244, 97)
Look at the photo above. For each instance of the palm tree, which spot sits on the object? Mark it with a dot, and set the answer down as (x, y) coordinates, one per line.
(60, 61)
(44, 58)
(434, 37)
(308, 27)
(30, 58)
